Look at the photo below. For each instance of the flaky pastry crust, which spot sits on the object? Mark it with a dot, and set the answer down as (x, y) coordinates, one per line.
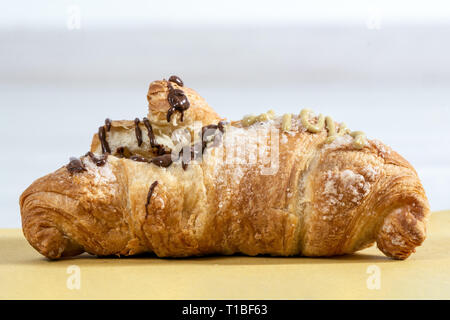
(314, 199)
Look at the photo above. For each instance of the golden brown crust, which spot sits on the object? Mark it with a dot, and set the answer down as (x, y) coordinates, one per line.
(199, 109)
(301, 196)
(321, 200)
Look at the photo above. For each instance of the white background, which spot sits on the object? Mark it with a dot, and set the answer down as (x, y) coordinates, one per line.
(380, 66)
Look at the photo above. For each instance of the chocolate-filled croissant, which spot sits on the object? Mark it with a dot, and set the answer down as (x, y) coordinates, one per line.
(265, 185)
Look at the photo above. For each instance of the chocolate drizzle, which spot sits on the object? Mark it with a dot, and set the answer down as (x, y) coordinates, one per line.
(99, 162)
(177, 101)
(149, 197)
(151, 135)
(198, 149)
(210, 127)
(162, 161)
(138, 158)
(102, 137)
(160, 150)
(164, 158)
(108, 124)
(221, 126)
(75, 165)
(176, 80)
(123, 152)
(138, 131)
(184, 165)
(194, 153)
(208, 131)
(211, 130)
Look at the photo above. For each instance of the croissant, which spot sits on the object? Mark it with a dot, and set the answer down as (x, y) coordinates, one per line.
(281, 186)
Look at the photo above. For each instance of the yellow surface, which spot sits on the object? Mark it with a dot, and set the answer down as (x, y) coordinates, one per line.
(24, 274)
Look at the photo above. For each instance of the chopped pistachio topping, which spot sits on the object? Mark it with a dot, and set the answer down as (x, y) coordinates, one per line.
(251, 119)
(343, 130)
(262, 117)
(359, 139)
(271, 114)
(314, 128)
(331, 128)
(248, 120)
(286, 122)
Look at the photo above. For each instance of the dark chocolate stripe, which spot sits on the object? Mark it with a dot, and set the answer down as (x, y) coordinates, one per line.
(176, 80)
(98, 161)
(151, 136)
(123, 152)
(102, 137)
(194, 152)
(170, 112)
(197, 150)
(138, 159)
(221, 125)
(163, 161)
(149, 197)
(75, 165)
(108, 124)
(210, 130)
(138, 131)
(177, 101)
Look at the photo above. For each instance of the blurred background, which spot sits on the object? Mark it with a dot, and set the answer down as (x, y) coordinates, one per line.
(380, 66)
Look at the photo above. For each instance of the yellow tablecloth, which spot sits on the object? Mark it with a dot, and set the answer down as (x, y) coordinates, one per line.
(24, 274)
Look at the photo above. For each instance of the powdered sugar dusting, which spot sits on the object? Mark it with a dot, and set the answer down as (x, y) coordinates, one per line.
(102, 175)
(339, 142)
(297, 124)
(243, 151)
(340, 184)
(396, 239)
(353, 183)
(387, 228)
(370, 172)
(382, 148)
